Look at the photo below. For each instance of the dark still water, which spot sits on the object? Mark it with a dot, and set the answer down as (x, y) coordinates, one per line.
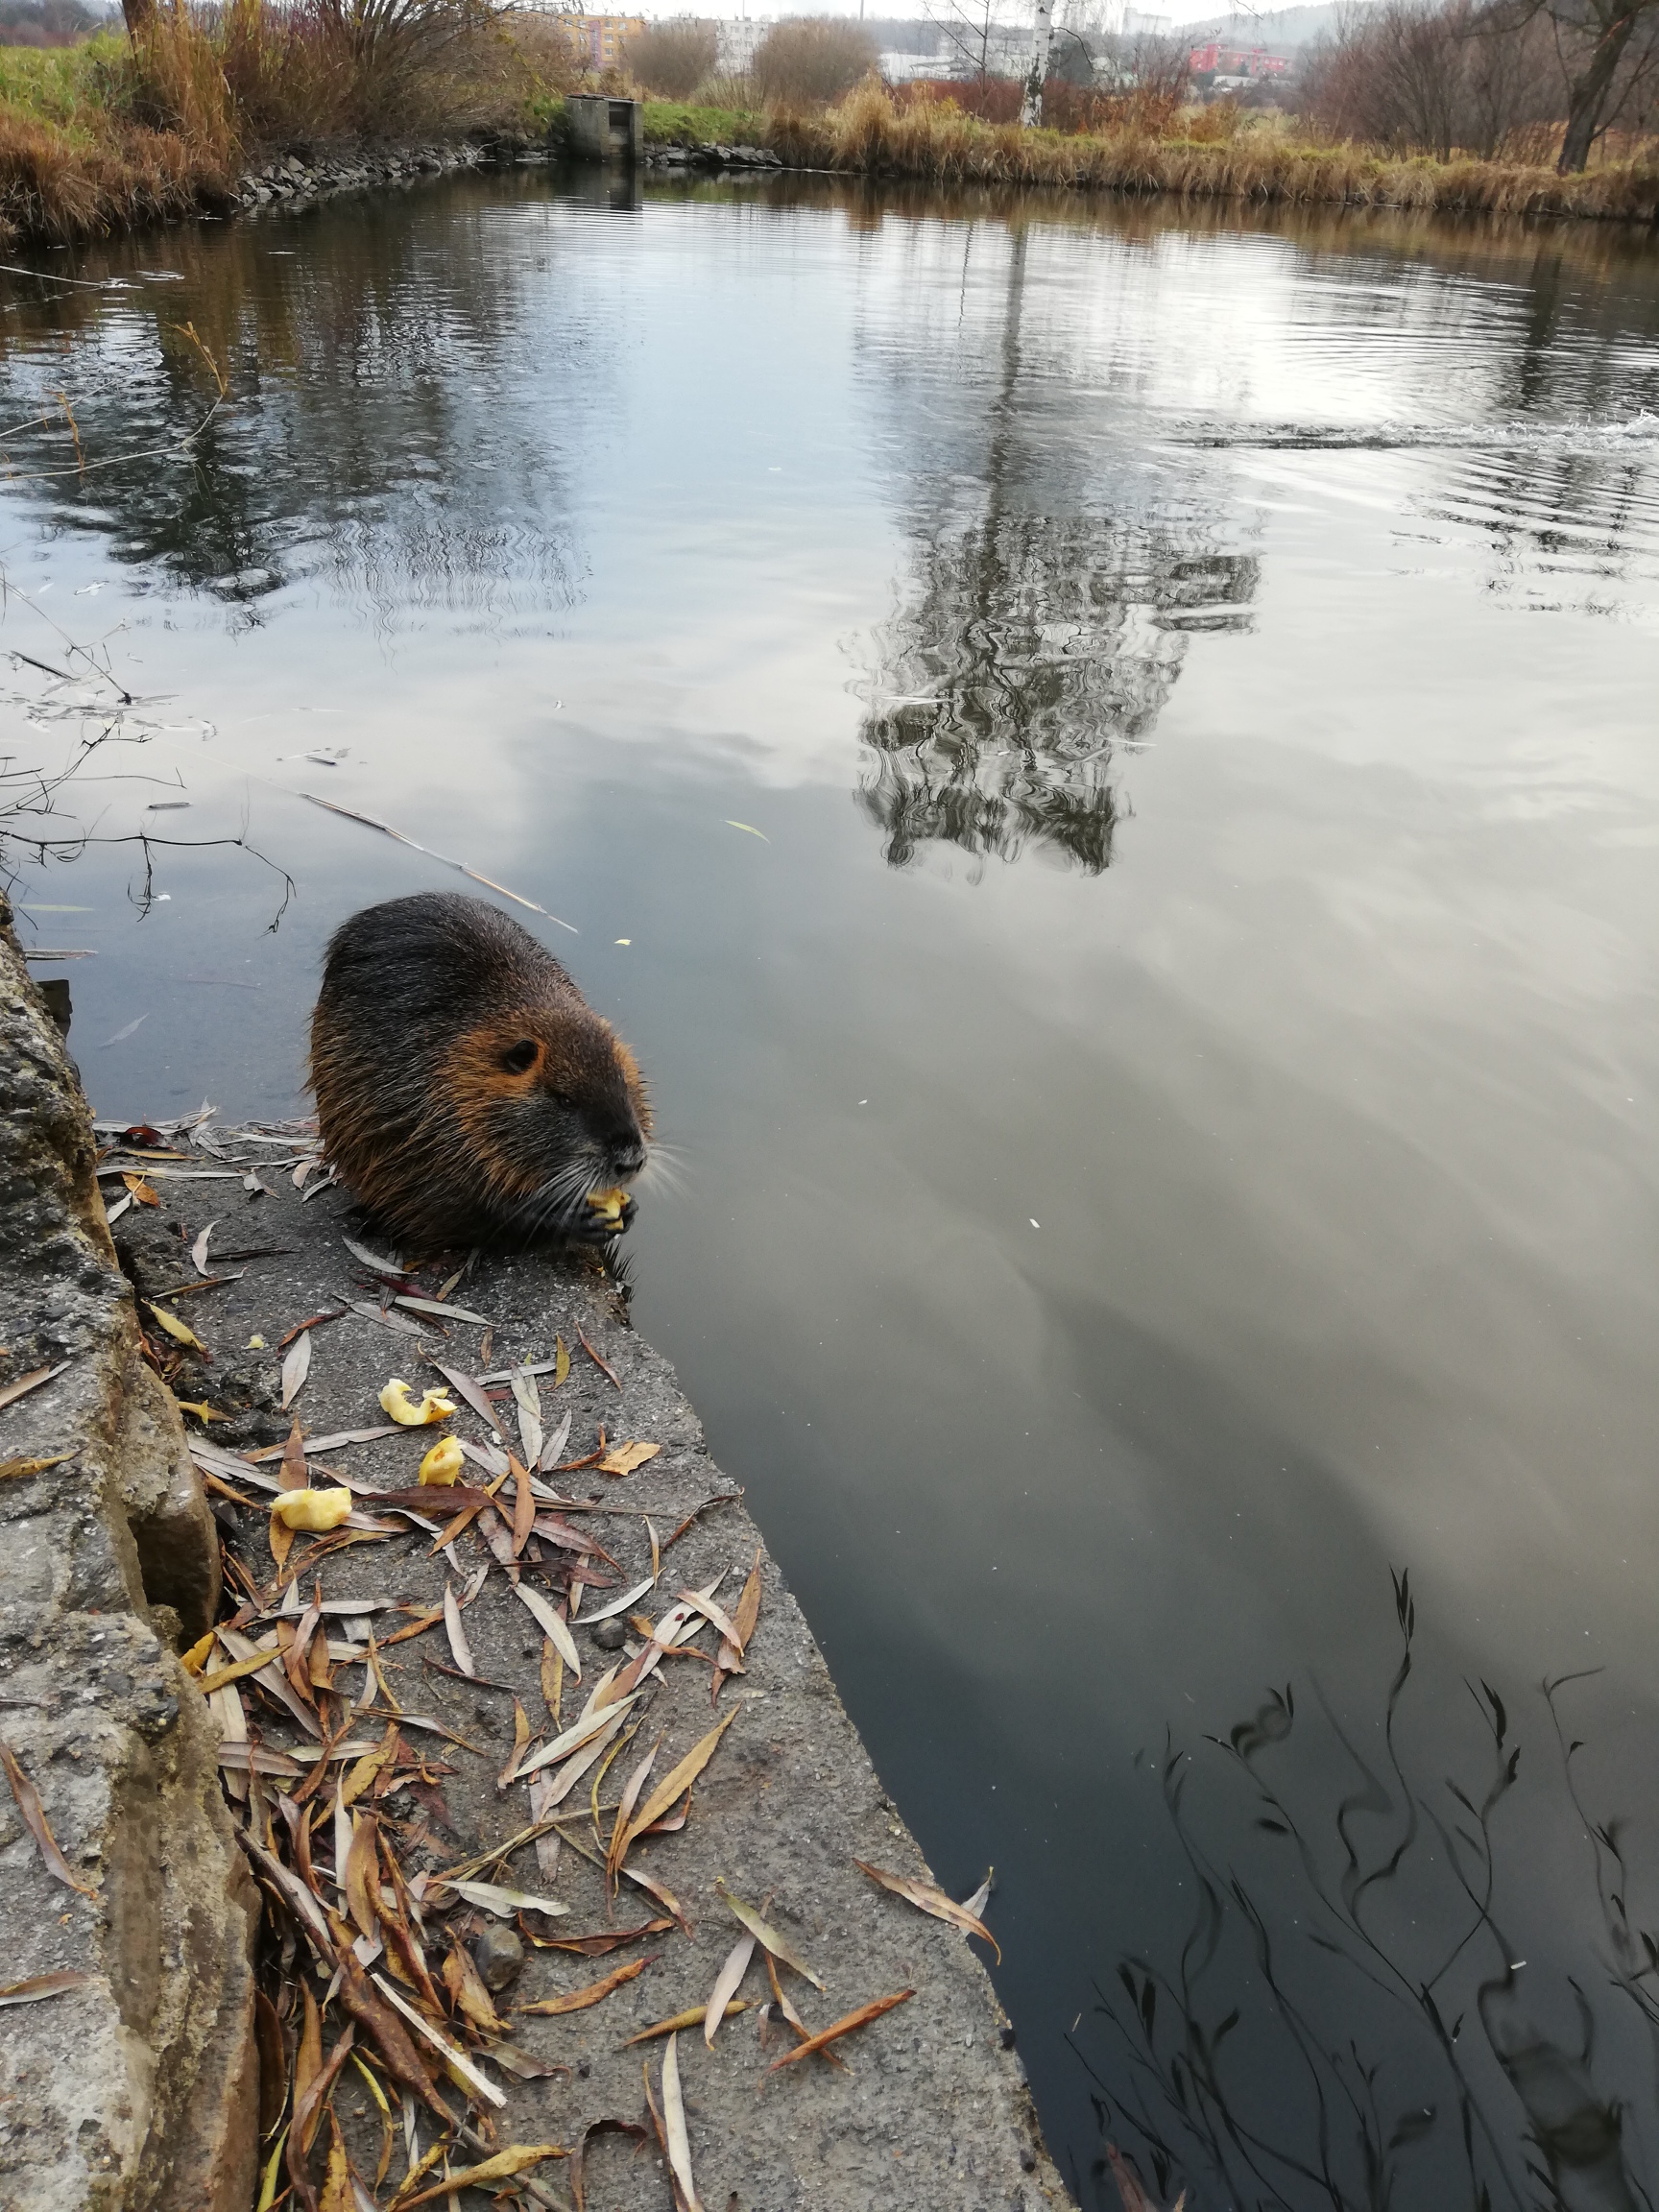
(1108, 762)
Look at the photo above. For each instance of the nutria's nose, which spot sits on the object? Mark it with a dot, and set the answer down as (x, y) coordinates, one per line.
(628, 1159)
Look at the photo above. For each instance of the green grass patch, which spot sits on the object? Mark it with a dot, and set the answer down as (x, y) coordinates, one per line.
(68, 86)
(676, 122)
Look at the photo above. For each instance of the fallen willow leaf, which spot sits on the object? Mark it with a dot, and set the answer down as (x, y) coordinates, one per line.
(39, 1986)
(693, 2018)
(604, 1939)
(623, 1459)
(1134, 2198)
(296, 1366)
(528, 1400)
(143, 1192)
(674, 2126)
(337, 2195)
(780, 2000)
(730, 1632)
(176, 1329)
(312, 1510)
(552, 1628)
(604, 1366)
(726, 1985)
(516, 2158)
(780, 1946)
(667, 1793)
(34, 1821)
(845, 2026)
(452, 2057)
(494, 1898)
(450, 1312)
(618, 1604)
(375, 1263)
(573, 1738)
(579, 2000)
(553, 1445)
(458, 1644)
(981, 1896)
(465, 1985)
(442, 1463)
(524, 1513)
(397, 1401)
(560, 1362)
(929, 1899)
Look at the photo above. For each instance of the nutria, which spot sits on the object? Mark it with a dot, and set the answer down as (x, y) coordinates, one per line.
(466, 1091)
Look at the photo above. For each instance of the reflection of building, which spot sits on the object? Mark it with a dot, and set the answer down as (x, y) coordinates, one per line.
(599, 41)
(1218, 58)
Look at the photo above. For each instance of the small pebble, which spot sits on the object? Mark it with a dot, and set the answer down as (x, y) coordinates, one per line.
(611, 1635)
(498, 1954)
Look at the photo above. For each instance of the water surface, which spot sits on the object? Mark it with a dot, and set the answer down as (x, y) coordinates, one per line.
(1105, 759)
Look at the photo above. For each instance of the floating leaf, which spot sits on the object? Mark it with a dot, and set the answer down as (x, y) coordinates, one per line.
(397, 1401)
(315, 1511)
(579, 2000)
(780, 1946)
(845, 2026)
(929, 1899)
(624, 1459)
(34, 1821)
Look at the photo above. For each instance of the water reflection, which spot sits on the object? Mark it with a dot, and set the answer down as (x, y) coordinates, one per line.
(1355, 2019)
(1034, 637)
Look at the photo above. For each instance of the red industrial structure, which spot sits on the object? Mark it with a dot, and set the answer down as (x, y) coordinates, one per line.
(1215, 59)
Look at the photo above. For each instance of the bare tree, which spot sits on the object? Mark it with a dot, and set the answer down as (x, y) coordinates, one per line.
(1599, 35)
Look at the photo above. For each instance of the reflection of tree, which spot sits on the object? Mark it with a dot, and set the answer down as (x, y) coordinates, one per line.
(388, 430)
(1350, 2024)
(1029, 647)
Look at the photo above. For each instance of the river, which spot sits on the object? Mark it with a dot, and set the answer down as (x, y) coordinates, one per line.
(1106, 758)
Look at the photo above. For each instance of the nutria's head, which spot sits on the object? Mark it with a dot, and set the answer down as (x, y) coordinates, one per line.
(551, 1100)
(467, 1093)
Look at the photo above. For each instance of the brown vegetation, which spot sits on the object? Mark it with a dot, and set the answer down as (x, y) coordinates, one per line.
(807, 61)
(869, 133)
(673, 59)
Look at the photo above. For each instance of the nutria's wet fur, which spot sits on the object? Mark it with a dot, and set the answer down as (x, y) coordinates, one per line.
(466, 1091)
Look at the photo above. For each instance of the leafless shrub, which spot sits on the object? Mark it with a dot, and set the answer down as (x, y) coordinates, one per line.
(672, 59)
(810, 60)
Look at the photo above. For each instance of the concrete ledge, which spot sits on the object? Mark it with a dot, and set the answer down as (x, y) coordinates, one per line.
(133, 2090)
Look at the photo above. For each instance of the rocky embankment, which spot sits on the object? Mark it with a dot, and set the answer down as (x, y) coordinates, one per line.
(317, 172)
(144, 2065)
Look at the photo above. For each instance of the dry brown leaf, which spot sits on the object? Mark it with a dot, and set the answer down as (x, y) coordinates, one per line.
(461, 1980)
(337, 2195)
(369, 1768)
(560, 1362)
(176, 1329)
(604, 1366)
(40, 1985)
(1134, 2198)
(674, 2126)
(726, 1985)
(523, 1507)
(579, 2000)
(307, 2056)
(781, 2001)
(520, 1742)
(145, 1192)
(745, 1614)
(602, 1940)
(729, 1631)
(624, 1459)
(845, 2026)
(362, 1878)
(552, 1678)
(296, 1366)
(514, 2159)
(667, 1793)
(929, 1899)
(691, 2018)
(34, 1821)
(779, 1946)
(460, 1648)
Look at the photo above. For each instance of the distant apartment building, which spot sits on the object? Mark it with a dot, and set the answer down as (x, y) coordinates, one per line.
(1216, 59)
(599, 41)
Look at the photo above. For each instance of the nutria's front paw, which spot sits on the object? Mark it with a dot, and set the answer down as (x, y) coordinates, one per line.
(603, 1223)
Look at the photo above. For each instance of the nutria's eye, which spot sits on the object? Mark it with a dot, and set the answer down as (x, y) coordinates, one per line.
(518, 1059)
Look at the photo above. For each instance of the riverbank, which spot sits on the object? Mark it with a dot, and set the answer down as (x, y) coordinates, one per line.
(427, 1683)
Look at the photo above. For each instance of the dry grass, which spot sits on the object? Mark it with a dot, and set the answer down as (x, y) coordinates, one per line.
(870, 133)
